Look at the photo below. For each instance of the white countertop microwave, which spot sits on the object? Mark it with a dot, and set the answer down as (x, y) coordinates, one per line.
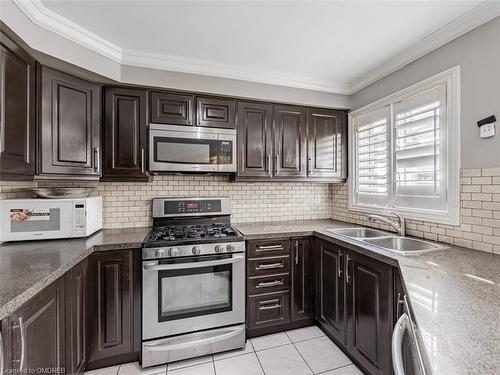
(43, 219)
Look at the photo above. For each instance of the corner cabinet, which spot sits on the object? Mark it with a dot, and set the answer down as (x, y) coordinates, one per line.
(124, 134)
(17, 112)
(69, 127)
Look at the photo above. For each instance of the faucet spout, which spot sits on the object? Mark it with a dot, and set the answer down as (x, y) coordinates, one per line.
(400, 226)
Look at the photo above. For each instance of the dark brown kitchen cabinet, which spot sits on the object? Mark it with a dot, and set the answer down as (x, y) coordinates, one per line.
(17, 111)
(69, 127)
(77, 318)
(34, 335)
(289, 141)
(327, 143)
(330, 289)
(124, 135)
(215, 112)
(255, 134)
(302, 280)
(171, 108)
(370, 304)
(112, 325)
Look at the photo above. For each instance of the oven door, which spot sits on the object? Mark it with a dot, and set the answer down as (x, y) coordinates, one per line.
(191, 294)
(190, 149)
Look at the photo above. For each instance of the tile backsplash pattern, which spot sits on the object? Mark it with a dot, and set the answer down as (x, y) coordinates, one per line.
(128, 204)
(479, 227)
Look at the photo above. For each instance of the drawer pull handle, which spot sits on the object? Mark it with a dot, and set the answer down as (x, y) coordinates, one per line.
(269, 266)
(267, 284)
(270, 247)
(271, 307)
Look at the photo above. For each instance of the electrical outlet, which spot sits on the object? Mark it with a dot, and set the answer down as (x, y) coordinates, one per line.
(487, 130)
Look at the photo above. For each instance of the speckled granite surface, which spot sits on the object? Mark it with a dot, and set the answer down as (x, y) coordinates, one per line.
(454, 295)
(27, 267)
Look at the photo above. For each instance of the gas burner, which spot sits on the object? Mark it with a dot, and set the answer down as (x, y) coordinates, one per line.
(186, 233)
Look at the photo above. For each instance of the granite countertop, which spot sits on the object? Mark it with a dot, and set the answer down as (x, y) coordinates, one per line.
(27, 267)
(454, 295)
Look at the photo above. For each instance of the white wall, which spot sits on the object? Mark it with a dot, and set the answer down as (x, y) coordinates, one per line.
(478, 54)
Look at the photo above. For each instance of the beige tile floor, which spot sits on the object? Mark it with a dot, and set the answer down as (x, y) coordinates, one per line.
(303, 351)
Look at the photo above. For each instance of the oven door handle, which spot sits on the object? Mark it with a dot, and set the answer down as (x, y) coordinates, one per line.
(190, 344)
(154, 266)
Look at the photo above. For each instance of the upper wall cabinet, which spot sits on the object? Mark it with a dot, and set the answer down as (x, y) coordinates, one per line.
(69, 127)
(17, 112)
(170, 108)
(213, 112)
(327, 148)
(124, 135)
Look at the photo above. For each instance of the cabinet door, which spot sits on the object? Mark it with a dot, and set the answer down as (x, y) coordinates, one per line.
(217, 113)
(76, 318)
(37, 332)
(330, 287)
(289, 141)
(301, 279)
(69, 126)
(17, 112)
(254, 123)
(169, 108)
(111, 307)
(125, 134)
(268, 310)
(370, 306)
(327, 143)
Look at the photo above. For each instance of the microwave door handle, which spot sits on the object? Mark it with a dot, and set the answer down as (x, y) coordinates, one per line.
(153, 266)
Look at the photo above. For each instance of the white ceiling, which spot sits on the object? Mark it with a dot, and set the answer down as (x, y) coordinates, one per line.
(321, 45)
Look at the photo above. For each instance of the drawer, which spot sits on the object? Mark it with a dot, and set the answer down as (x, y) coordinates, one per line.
(268, 248)
(268, 310)
(268, 284)
(268, 266)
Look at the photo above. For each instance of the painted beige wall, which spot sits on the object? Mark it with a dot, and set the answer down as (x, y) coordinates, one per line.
(478, 54)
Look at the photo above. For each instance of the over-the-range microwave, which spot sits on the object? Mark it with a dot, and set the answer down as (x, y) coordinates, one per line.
(43, 219)
(175, 148)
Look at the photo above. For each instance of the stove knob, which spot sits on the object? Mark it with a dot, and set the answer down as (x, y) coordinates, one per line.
(230, 248)
(159, 253)
(172, 252)
(219, 249)
(196, 250)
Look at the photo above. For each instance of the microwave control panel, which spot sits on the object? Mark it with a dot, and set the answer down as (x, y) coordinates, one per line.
(79, 218)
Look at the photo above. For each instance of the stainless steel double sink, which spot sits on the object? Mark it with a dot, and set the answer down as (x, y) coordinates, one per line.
(388, 241)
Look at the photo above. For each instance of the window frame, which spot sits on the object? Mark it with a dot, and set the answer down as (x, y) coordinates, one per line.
(451, 78)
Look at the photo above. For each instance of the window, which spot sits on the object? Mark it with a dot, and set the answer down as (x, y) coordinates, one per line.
(405, 153)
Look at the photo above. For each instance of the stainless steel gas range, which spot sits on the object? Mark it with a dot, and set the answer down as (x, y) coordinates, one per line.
(193, 281)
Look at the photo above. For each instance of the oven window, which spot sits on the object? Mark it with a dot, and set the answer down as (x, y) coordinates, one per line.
(192, 292)
(185, 151)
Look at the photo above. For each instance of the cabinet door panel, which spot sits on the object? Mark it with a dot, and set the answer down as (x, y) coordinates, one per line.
(38, 328)
(169, 108)
(301, 279)
(254, 122)
(70, 125)
(17, 112)
(327, 138)
(370, 316)
(217, 113)
(290, 141)
(330, 308)
(125, 134)
(111, 305)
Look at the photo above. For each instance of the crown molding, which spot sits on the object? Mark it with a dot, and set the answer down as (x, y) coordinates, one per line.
(480, 14)
(44, 17)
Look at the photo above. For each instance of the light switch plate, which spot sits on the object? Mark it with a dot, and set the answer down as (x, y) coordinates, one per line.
(487, 130)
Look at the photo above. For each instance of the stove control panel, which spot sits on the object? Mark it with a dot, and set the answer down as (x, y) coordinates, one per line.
(190, 250)
(175, 207)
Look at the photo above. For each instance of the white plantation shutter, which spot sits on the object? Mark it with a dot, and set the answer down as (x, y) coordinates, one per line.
(372, 144)
(419, 145)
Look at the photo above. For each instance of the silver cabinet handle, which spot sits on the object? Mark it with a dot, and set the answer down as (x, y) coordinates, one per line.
(397, 344)
(309, 165)
(270, 247)
(399, 302)
(267, 284)
(23, 344)
(296, 252)
(276, 306)
(269, 266)
(347, 276)
(96, 159)
(143, 161)
(339, 265)
(268, 163)
(276, 163)
(2, 355)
